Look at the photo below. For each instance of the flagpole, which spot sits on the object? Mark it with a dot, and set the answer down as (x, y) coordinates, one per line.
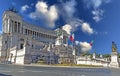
(73, 51)
(73, 48)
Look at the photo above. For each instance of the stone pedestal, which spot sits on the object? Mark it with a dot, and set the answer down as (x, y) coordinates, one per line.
(114, 60)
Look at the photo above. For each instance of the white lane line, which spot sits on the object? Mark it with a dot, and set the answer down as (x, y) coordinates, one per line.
(4, 71)
(82, 75)
(36, 71)
(21, 71)
(31, 71)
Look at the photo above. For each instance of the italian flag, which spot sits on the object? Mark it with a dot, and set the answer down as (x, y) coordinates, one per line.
(72, 38)
(91, 43)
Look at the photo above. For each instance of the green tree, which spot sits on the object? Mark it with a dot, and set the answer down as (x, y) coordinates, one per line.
(106, 55)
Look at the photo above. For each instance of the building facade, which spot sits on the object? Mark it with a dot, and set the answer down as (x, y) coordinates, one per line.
(21, 42)
(95, 61)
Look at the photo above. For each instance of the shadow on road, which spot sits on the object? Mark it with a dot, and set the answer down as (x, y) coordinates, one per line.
(4, 75)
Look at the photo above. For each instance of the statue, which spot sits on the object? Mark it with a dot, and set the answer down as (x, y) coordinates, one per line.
(59, 33)
(13, 9)
(114, 57)
(114, 48)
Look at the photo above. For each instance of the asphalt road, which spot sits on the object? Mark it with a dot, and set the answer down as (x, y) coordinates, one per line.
(15, 70)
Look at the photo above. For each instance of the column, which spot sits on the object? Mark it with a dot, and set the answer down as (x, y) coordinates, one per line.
(8, 26)
(17, 27)
(21, 29)
(5, 23)
(11, 26)
(37, 34)
(33, 33)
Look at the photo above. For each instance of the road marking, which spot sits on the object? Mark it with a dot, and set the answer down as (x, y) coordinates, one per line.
(31, 71)
(82, 75)
(21, 71)
(36, 71)
(5, 71)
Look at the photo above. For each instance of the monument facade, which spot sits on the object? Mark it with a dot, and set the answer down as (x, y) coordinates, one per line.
(22, 42)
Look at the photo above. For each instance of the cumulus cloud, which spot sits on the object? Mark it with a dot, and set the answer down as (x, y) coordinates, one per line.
(67, 10)
(97, 14)
(24, 8)
(72, 23)
(96, 6)
(46, 13)
(84, 46)
(86, 28)
(67, 28)
(69, 7)
(77, 42)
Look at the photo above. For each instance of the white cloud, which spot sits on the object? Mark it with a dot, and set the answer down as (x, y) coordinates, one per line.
(24, 8)
(75, 25)
(86, 28)
(67, 28)
(48, 14)
(97, 14)
(77, 42)
(41, 7)
(69, 7)
(95, 3)
(52, 15)
(67, 10)
(84, 46)
(96, 6)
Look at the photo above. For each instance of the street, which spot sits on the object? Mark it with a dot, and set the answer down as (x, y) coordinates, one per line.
(16, 70)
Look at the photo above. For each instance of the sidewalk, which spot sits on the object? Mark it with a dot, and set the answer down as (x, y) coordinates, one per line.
(45, 65)
(41, 65)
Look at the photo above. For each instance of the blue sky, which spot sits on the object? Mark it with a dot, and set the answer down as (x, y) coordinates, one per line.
(97, 20)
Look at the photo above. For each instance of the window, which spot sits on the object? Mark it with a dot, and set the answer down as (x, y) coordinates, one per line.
(18, 26)
(21, 39)
(5, 42)
(21, 46)
(28, 32)
(32, 46)
(15, 27)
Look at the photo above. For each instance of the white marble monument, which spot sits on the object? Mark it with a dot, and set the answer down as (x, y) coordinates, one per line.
(114, 57)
